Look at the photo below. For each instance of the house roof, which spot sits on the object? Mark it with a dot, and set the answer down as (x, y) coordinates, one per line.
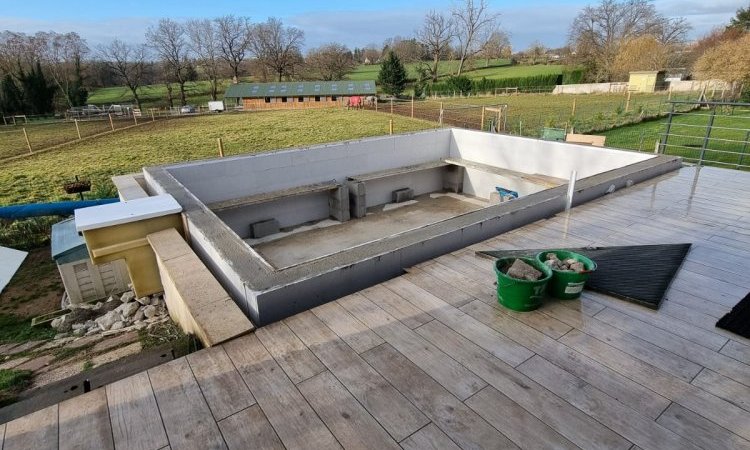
(298, 88)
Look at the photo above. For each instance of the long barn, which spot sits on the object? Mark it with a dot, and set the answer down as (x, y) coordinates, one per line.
(311, 94)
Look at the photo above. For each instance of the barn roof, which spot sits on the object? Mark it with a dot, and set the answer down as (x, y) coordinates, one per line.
(299, 88)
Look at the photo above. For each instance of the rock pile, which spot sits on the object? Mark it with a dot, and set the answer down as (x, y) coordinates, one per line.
(117, 314)
(567, 265)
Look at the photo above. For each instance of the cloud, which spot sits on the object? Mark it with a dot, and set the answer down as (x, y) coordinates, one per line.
(128, 29)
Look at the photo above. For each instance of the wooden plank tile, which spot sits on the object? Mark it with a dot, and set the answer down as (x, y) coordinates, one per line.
(84, 422)
(726, 388)
(35, 431)
(632, 345)
(514, 421)
(249, 428)
(740, 352)
(602, 377)
(538, 401)
(185, 413)
(632, 426)
(2, 435)
(135, 418)
(438, 287)
(429, 438)
(345, 417)
(347, 327)
(396, 306)
(221, 384)
(711, 407)
(483, 288)
(682, 347)
(702, 305)
(453, 376)
(289, 352)
(499, 345)
(291, 416)
(700, 430)
(460, 423)
(389, 407)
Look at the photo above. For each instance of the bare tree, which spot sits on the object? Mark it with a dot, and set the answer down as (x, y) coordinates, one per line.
(598, 31)
(128, 63)
(168, 40)
(497, 46)
(330, 62)
(436, 36)
(277, 46)
(475, 23)
(204, 42)
(234, 41)
(371, 54)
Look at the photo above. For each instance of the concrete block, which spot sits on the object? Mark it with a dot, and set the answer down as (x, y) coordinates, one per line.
(402, 195)
(357, 199)
(338, 204)
(264, 228)
(453, 179)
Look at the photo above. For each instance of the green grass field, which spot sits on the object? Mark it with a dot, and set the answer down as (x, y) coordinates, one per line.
(155, 96)
(40, 177)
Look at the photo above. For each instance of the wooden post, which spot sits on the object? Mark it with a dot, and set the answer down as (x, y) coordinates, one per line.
(573, 111)
(670, 93)
(152, 115)
(627, 103)
(390, 126)
(5, 122)
(221, 147)
(391, 105)
(441, 114)
(481, 122)
(26, 136)
(111, 123)
(135, 119)
(78, 130)
(412, 106)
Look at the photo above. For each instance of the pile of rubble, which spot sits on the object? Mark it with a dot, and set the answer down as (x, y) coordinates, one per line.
(566, 265)
(522, 271)
(117, 314)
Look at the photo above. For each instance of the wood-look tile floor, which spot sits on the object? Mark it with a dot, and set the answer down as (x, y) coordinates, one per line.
(429, 360)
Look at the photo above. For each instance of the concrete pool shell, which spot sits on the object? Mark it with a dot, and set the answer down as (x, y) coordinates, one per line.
(306, 185)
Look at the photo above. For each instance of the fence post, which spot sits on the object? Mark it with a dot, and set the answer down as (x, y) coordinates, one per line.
(111, 123)
(481, 123)
(573, 112)
(152, 115)
(390, 126)
(221, 147)
(412, 106)
(627, 103)
(135, 119)
(391, 105)
(26, 136)
(709, 127)
(440, 118)
(78, 130)
(744, 149)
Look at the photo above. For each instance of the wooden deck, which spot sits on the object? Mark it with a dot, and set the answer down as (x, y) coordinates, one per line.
(429, 360)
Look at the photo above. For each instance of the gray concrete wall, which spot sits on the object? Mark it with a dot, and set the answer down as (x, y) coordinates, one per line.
(288, 211)
(423, 182)
(227, 178)
(535, 156)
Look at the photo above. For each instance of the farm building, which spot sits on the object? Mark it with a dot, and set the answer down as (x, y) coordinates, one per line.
(312, 94)
(647, 81)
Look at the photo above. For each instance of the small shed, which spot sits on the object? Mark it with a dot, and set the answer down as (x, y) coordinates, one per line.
(647, 81)
(83, 280)
(296, 95)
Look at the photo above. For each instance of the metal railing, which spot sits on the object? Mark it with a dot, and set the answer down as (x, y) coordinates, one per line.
(718, 134)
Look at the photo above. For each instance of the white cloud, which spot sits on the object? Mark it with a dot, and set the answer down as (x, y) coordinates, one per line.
(129, 29)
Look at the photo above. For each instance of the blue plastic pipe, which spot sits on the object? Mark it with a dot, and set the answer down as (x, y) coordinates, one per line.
(49, 209)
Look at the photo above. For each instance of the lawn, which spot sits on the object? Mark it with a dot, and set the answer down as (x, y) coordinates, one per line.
(40, 177)
(492, 69)
(155, 96)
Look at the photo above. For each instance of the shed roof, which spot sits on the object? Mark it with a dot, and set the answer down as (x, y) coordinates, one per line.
(298, 88)
(67, 244)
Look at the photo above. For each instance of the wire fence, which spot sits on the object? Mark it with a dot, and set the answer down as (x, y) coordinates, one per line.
(27, 135)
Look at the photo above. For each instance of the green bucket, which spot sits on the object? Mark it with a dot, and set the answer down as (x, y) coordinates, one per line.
(520, 295)
(567, 285)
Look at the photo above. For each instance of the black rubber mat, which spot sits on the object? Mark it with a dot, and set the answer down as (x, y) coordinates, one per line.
(637, 273)
(738, 319)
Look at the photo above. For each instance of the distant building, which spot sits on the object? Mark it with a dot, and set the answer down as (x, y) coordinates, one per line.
(296, 95)
(647, 81)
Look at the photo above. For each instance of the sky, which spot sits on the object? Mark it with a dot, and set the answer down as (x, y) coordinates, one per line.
(353, 23)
